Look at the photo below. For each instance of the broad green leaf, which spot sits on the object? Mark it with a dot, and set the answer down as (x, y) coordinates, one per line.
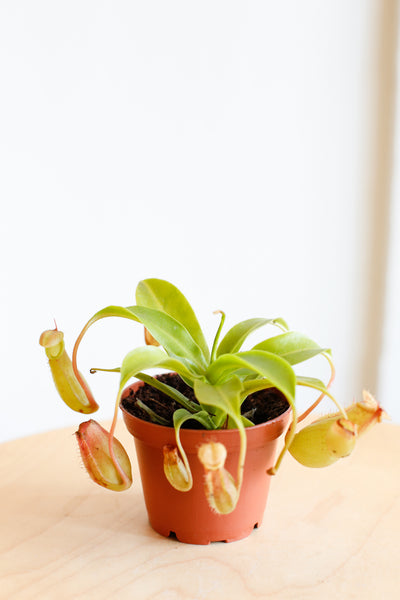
(255, 385)
(171, 334)
(225, 397)
(180, 366)
(293, 346)
(234, 338)
(147, 357)
(245, 374)
(111, 311)
(165, 297)
(273, 368)
(138, 360)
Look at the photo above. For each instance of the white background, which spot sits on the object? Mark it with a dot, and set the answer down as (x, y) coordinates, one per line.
(229, 147)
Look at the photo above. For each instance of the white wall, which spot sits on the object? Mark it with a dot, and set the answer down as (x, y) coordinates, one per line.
(390, 355)
(222, 145)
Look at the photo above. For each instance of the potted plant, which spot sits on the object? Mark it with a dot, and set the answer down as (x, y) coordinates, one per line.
(206, 430)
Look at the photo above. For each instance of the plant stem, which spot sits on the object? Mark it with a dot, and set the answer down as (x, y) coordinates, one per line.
(217, 335)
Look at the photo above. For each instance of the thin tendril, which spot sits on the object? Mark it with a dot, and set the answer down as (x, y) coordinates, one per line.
(322, 396)
(338, 405)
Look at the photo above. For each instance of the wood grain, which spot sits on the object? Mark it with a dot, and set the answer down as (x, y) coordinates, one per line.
(329, 533)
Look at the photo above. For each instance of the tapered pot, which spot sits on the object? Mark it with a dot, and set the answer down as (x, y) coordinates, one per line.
(187, 515)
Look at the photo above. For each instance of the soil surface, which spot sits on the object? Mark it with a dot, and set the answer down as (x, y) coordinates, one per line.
(258, 407)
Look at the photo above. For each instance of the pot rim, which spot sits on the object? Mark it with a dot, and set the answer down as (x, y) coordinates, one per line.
(224, 432)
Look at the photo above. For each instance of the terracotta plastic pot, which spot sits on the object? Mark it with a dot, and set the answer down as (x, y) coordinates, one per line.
(188, 515)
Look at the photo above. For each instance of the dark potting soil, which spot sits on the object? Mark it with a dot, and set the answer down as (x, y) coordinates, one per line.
(258, 407)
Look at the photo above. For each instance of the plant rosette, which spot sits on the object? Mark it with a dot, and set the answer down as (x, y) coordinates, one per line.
(209, 483)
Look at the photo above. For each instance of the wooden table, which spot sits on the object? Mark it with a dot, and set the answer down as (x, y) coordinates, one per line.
(327, 533)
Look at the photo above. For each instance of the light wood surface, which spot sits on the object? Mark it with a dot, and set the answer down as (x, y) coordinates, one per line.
(327, 533)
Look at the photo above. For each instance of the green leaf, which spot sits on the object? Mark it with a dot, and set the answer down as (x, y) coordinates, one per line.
(154, 417)
(182, 367)
(273, 368)
(281, 323)
(147, 357)
(246, 422)
(171, 334)
(255, 385)
(311, 382)
(140, 359)
(161, 295)
(233, 340)
(317, 384)
(293, 346)
(111, 311)
(225, 397)
(182, 415)
(168, 390)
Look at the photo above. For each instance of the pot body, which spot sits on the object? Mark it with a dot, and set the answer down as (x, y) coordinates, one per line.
(188, 514)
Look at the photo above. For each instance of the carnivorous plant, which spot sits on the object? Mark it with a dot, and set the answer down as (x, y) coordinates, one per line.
(221, 377)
